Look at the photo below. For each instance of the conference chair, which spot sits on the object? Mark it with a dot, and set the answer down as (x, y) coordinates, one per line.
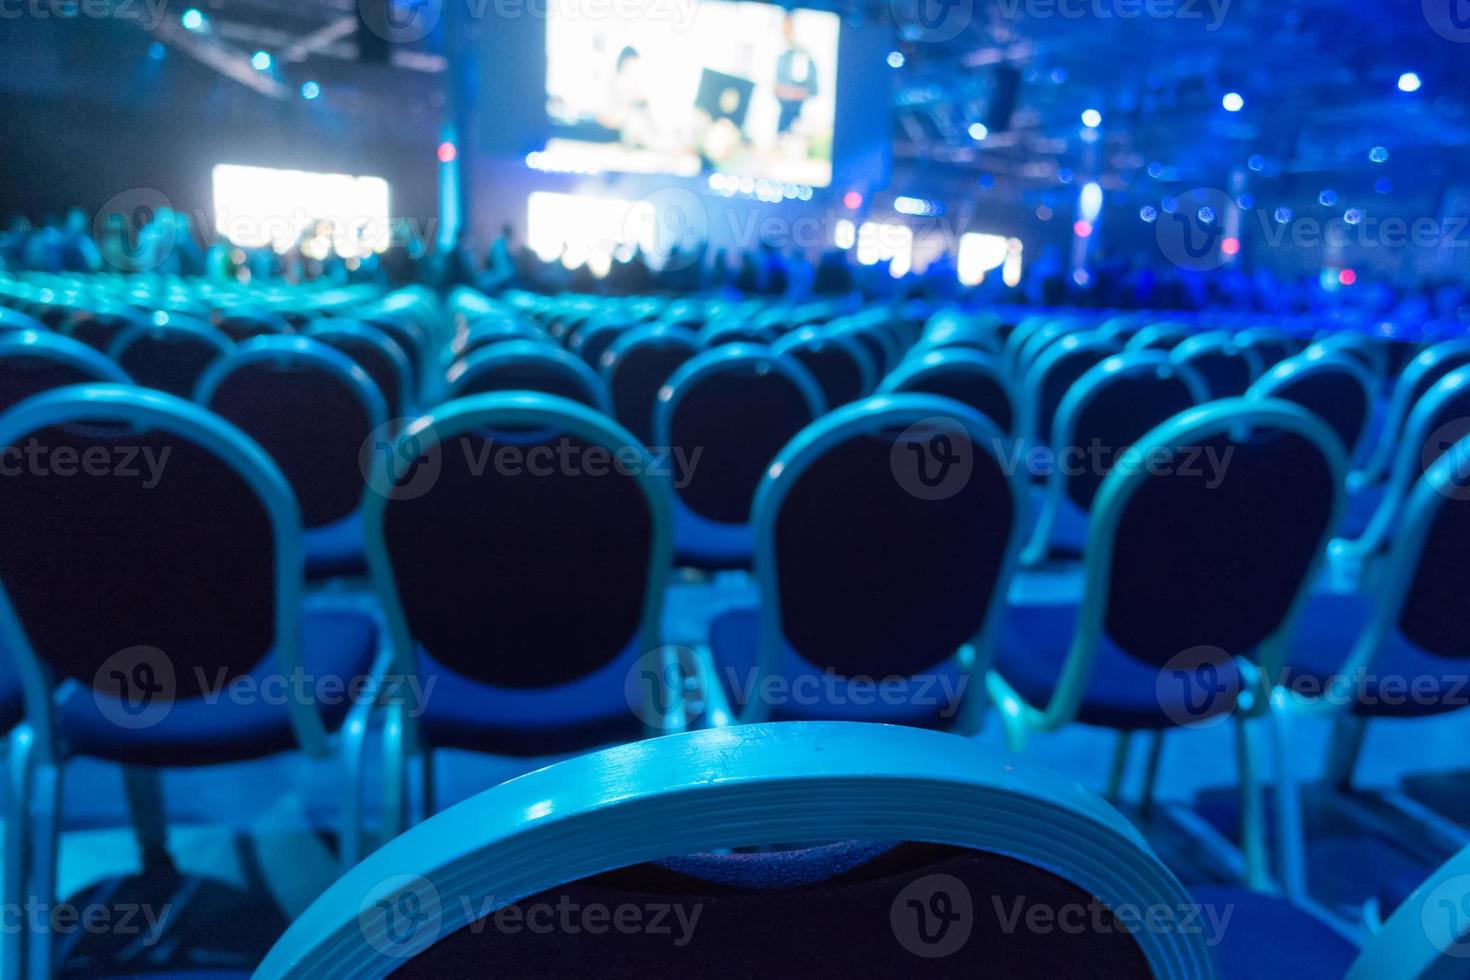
(528, 365)
(1159, 336)
(886, 532)
(1272, 345)
(191, 570)
(169, 352)
(637, 365)
(840, 364)
(1227, 367)
(1103, 414)
(724, 416)
(32, 362)
(494, 330)
(833, 849)
(99, 328)
(376, 353)
(882, 347)
(593, 339)
(1412, 382)
(1199, 555)
(527, 591)
(968, 376)
(16, 320)
(1051, 375)
(319, 417)
(242, 323)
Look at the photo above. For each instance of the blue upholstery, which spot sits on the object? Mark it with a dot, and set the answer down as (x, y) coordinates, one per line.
(1401, 681)
(710, 544)
(1268, 938)
(338, 644)
(1122, 693)
(336, 548)
(591, 710)
(734, 639)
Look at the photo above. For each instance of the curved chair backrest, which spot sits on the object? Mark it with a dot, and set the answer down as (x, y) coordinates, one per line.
(177, 532)
(98, 329)
(564, 549)
(376, 353)
(1271, 345)
(1428, 934)
(637, 365)
(242, 324)
(1042, 341)
(1414, 381)
(1366, 350)
(487, 333)
(16, 320)
(1104, 413)
(953, 330)
(663, 815)
(1053, 373)
(311, 408)
(840, 363)
(882, 348)
(410, 337)
(968, 376)
(1332, 384)
(934, 533)
(592, 340)
(739, 331)
(1208, 536)
(169, 353)
(737, 405)
(1028, 328)
(1439, 420)
(1159, 336)
(1227, 367)
(32, 362)
(528, 365)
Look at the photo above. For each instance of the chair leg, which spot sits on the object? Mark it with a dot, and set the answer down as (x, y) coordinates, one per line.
(144, 790)
(1348, 731)
(1118, 771)
(1151, 772)
(1290, 838)
(17, 796)
(1252, 809)
(354, 740)
(395, 789)
(426, 780)
(45, 829)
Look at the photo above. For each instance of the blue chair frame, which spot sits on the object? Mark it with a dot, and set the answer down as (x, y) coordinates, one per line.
(1220, 343)
(368, 334)
(816, 338)
(1401, 404)
(793, 783)
(920, 365)
(1028, 425)
(528, 352)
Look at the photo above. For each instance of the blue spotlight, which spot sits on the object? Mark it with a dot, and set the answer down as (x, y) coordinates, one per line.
(1091, 118)
(1409, 82)
(260, 61)
(192, 20)
(1233, 102)
(895, 59)
(310, 91)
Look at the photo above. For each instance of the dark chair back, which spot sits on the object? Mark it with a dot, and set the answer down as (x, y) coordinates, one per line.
(169, 352)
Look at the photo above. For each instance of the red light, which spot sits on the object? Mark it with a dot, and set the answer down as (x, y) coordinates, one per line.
(447, 152)
(1082, 229)
(1230, 246)
(1347, 277)
(852, 200)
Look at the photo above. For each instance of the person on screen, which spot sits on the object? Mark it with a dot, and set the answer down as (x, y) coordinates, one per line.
(796, 77)
(629, 112)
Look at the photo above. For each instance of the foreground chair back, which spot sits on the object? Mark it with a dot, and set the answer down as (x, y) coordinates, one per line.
(726, 413)
(1227, 367)
(32, 361)
(1104, 413)
(1416, 378)
(169, 352)
(841, 365)
(1052, 374)
(897, 582)
(934, 828)
(968, 376)
(376, 353)
(1333, 385)
(519, 544)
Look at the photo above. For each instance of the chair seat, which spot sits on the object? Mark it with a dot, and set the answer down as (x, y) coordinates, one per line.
(1123, 693)
(1401, 681)
(242, 722)
(1267, 937)
(711, 545)
(931, 701)
(335, 549)
(460, 712)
